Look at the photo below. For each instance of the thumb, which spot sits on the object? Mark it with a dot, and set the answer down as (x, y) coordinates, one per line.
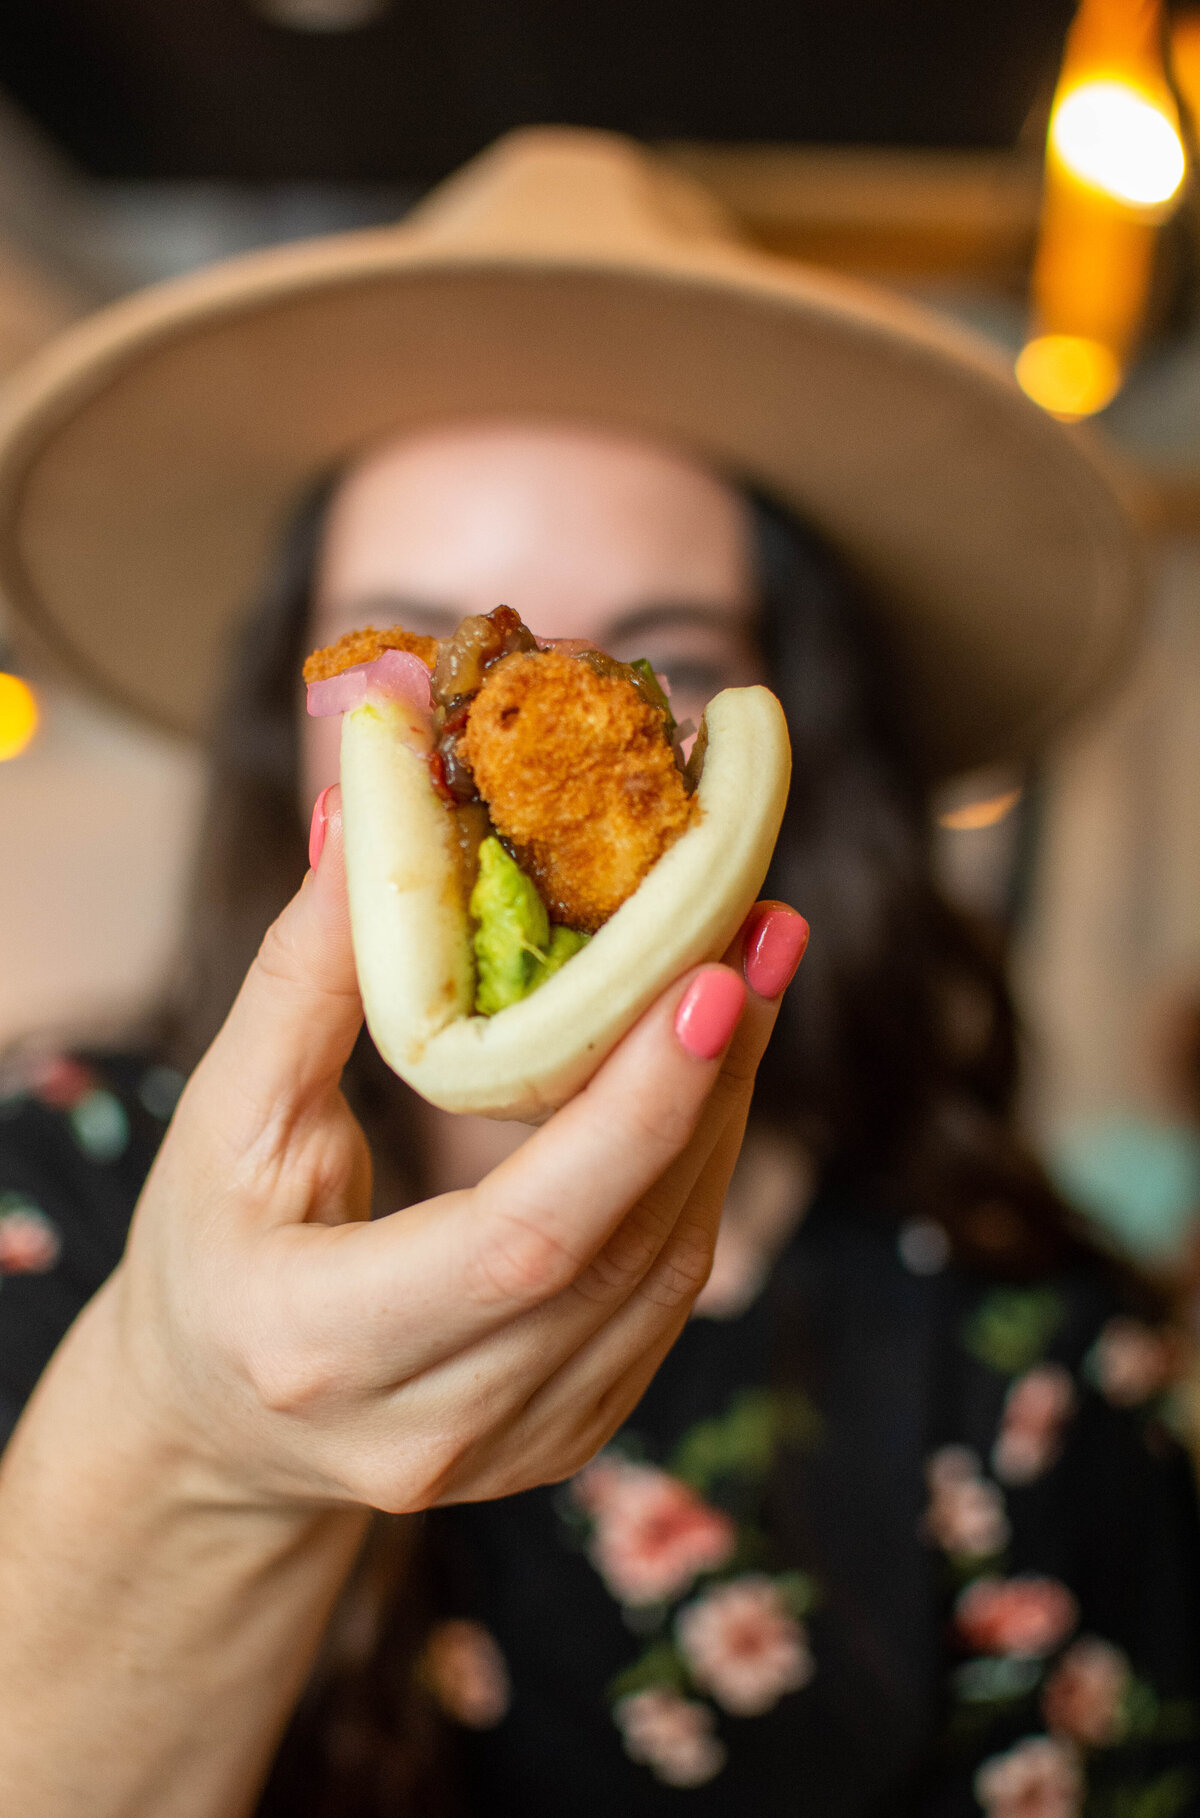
(298, 1013)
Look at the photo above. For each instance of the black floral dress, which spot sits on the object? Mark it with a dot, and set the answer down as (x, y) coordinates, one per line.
(889, 1539)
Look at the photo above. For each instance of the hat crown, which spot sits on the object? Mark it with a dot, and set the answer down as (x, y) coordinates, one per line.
(547, 190)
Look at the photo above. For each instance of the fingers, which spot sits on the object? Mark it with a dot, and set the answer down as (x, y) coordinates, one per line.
(598, 1343)
(296, 1018)
(557, 1433)
(578, 1219)
(716, 1140)
(767, 950)
(559, 1198)
(524, 1233)
(773, 940)
(556, 1360)
(553, 1398)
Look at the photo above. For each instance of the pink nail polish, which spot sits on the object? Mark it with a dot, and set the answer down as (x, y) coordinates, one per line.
(774, 950)
(316, 833)
(708, 1013)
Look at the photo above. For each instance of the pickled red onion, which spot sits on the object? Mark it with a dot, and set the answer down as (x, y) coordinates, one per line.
(396, 675)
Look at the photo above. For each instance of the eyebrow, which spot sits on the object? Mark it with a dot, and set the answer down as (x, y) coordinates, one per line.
(658, 614)
(398, 608)
(654, 615)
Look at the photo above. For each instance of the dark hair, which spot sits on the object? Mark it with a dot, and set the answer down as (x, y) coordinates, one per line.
(895, 1057)
(897, 1047)
(252, 854)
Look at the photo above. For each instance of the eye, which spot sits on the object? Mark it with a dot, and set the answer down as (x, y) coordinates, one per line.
(698, 658)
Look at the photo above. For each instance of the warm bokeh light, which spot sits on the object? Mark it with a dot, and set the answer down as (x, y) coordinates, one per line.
(973, 817)
(1184, 39)
(1071, 376)
(1109, 135)
(18, 715)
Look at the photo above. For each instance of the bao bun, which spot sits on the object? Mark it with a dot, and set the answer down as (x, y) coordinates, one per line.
(412, 934)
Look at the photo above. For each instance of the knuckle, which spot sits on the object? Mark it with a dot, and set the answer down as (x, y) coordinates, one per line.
(683, 1268)
(626, 1257)
(410, 1478)
(600, 1421)
(275, 954)
(390, 1491)
(661, 1122)
(289, 1380)
(521, 1263)
(581, 1450)
(281, 964)
(450, 1467)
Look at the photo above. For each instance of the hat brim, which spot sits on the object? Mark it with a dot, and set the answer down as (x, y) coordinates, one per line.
(150, 459)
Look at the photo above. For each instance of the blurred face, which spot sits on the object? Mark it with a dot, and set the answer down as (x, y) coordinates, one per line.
(585, 532)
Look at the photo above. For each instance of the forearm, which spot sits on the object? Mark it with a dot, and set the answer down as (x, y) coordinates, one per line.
(153, 1636)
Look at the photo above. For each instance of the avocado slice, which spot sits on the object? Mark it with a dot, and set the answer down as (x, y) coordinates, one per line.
(516, 949)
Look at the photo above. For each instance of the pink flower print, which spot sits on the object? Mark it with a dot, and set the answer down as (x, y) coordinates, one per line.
(1025, 1616)
(1130, 1361)
(671, 1735)
(653, 1535)
(1085, 1697)
(60, 1081)
(29, 1243)
(966, 1515)
(1039, 1778)
(1035, 1410)
(742, 1645)
(465, 1670)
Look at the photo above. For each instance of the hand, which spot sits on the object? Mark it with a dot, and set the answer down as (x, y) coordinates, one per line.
(468, 1347)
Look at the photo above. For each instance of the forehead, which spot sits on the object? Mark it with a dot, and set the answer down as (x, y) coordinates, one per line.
(534, 513)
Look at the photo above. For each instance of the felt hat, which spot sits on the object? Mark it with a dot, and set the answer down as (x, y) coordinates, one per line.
(150, 456)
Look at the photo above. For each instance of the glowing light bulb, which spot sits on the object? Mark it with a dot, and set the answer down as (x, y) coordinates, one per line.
(1068, 375)
(1114, 138)
(18, 715)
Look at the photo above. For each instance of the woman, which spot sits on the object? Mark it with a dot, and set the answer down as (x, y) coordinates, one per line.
(899, 1531)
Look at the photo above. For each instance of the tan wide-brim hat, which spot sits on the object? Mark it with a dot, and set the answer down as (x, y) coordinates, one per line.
(150, 457)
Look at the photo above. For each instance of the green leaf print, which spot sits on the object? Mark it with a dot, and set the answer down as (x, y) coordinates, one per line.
(996, 1681)
(1011, 1327)
(1164, 1797)
(1149, 1718)
(744, 1440)
(797, 1593)
(659, 1669)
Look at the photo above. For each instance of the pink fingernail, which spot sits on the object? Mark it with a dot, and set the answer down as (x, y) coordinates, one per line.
(316, 833)
(708, 1013)
(774, 950)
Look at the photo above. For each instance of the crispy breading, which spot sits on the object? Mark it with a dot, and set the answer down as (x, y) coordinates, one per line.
(364, 646)
(578, 774)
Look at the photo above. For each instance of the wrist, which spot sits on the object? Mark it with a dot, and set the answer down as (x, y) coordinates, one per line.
(145, 1599)
(114, 1414)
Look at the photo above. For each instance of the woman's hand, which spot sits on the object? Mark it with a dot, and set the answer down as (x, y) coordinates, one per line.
(468, 1347)
(185, 1493)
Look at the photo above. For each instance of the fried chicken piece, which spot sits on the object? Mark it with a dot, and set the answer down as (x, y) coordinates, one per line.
(579, 776)
(363, 647)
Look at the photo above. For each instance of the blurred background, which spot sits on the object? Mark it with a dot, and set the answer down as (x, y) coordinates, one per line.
(1029, 166)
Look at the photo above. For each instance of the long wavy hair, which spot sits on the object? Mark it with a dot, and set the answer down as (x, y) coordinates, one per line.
(894, 1060)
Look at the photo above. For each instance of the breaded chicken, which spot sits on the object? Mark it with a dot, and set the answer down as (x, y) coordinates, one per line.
(578, 775)
(363, 647)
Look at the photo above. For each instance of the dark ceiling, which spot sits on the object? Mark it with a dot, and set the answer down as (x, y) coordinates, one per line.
(207, 88)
